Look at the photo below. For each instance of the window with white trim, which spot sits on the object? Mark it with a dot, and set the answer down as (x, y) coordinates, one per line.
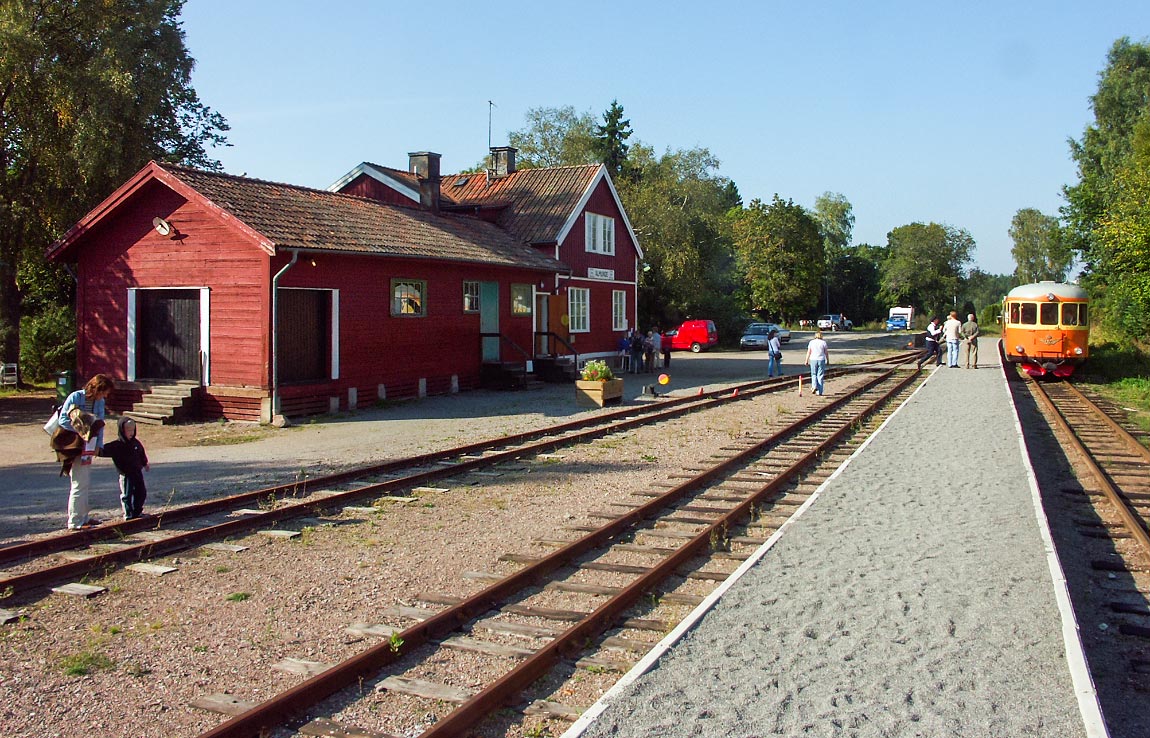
(471, 297)
(618, 310)
(407, 297)
(578, 309)
(600, 234)
(521, 299)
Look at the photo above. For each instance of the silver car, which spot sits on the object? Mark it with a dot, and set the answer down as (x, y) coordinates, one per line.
(755, 336)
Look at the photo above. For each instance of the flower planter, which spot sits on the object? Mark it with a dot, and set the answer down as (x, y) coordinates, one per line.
(598, 394)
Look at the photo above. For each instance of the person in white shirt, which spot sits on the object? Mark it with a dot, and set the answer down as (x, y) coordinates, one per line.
(952, 329)
(775, 349)
(930, 344)
(817, 356)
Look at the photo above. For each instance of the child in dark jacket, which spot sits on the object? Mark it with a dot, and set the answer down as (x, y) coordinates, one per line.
(128, 455)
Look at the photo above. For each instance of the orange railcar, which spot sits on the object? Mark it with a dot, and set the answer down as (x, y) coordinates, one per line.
(1045, 327)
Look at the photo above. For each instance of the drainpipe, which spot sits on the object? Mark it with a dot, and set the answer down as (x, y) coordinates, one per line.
(276, 333)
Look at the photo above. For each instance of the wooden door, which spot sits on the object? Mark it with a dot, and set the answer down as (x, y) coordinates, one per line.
(168, 334)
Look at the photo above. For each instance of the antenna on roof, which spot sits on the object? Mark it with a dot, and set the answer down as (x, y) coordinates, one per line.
(490, 105)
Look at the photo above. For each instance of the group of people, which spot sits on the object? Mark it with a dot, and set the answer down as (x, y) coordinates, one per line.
(958, 335)
(642, 350)
(79, 439)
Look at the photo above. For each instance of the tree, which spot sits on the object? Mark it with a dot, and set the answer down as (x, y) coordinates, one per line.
(1121, 102)
(677, 204)
(555, 137)
(836, 221)
(1040, 252)
(1123, 239)
(924, 265)
(610, 140)
(89, 92)
(780, 250)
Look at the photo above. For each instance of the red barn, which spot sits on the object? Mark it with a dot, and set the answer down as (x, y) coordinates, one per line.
(258, 298)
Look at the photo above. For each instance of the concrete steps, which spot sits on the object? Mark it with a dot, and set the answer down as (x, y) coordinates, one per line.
(163, 404)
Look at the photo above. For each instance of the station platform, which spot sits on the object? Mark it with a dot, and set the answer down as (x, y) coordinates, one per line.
(916, 593)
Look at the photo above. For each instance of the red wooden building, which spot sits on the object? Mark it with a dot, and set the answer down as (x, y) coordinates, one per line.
(263, 298)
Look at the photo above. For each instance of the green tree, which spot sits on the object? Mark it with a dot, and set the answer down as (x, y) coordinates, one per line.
(1124, 244)
(925, 264)
(677, 204)
(780, 250)
(1040, 252)
(89, 92)
(836, 221)
(611, 140)
(983, 290)
(1121, 102)
(856, 283)
(555, 137)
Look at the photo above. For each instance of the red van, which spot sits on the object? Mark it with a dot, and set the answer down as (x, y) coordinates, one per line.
(696, 335)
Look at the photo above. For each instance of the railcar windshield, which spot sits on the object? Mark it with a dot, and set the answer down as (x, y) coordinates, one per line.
(1023, 313)
(1049, 313)
(1074, 313)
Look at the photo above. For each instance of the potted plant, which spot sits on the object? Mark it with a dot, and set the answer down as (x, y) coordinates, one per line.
(598, 385)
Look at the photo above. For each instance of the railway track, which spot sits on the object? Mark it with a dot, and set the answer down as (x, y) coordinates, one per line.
(590, 603)
(31, 567)
(1102, 503)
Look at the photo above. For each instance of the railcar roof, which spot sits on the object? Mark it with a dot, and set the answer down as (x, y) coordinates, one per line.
(1039, 290)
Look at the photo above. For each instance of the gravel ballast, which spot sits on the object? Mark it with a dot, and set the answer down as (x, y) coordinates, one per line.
(912, 598)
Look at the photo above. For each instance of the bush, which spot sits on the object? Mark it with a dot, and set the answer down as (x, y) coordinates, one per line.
(597, 370)
(47, 342)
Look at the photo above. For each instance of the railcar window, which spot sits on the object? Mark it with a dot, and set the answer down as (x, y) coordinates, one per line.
(1027, 313)
(1074, 314)
(1014, 312)
(1049, 313)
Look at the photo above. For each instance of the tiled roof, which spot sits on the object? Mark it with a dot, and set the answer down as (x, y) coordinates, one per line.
(299, 217)
(537, 201)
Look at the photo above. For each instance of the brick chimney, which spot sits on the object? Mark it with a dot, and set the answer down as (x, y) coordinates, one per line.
(502, 160)
(425, 166)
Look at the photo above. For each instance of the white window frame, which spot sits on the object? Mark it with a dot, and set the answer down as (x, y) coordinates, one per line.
(599, 237)
(471, 290)
(526, 295)
(579, 309)
(618, 310)
(420, 287)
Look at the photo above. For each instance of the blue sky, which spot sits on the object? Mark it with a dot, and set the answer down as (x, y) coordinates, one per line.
(957, 113)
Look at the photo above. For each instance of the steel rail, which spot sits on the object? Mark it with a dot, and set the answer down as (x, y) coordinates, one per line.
(1133, 523)
(53, 544)
(577, 432)
(289, 704)
(1131, 442)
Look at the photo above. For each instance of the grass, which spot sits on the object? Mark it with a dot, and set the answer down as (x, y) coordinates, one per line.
(238, 596)
(84, 663)
(229, 440)
(1120, 373)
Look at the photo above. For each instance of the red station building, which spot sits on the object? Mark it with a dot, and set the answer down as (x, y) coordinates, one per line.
(208, 295)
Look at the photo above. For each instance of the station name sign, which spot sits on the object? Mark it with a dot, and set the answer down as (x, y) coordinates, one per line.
(593, 273)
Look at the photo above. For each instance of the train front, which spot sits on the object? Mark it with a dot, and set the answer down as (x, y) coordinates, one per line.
(1046, 328)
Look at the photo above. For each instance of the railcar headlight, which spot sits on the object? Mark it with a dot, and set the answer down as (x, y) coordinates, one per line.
(1019, 350)
(1050, 296)
(1078, 350)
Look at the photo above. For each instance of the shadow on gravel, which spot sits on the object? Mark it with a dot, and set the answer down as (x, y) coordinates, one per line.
(1091, 592)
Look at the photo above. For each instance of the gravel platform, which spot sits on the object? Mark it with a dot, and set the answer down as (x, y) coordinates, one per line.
(915, 595)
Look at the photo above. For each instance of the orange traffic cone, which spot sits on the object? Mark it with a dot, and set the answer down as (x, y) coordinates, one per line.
(735, 393)
(700, 392)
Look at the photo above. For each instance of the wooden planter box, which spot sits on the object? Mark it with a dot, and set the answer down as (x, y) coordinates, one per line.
(598, 394)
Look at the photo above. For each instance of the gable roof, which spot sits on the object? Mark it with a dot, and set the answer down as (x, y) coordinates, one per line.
(281, 216)
(539, 205)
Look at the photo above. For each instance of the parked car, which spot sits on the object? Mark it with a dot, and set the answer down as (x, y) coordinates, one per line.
(834, 322)
(755, 336)
(693, 335)
(896, 323)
